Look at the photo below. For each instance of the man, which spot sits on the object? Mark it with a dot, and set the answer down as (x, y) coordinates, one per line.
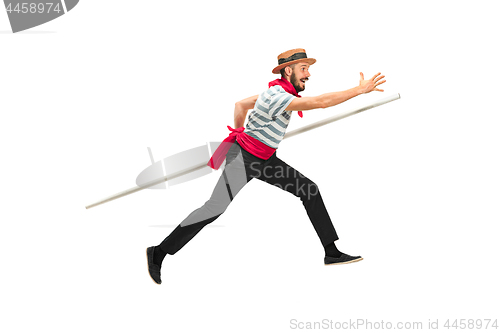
(251, 153)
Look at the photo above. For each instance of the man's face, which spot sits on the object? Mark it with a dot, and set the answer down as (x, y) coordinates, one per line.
(300, 74)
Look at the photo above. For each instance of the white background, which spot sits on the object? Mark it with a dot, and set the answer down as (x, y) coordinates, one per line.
(412, 186)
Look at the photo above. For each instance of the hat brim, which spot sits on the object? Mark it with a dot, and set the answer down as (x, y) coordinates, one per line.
(278, 68)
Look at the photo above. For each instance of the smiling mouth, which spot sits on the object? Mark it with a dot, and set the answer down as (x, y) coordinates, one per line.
(303, 81)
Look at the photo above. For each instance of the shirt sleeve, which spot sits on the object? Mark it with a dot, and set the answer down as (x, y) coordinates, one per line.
(279, 103)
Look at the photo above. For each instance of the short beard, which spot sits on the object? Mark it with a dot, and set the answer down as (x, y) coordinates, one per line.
(295, 83)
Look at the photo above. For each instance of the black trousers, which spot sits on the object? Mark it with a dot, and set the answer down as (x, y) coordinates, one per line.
(241, 167)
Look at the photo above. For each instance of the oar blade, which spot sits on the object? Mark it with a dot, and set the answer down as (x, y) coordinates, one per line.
(184, 161)
(181, 162)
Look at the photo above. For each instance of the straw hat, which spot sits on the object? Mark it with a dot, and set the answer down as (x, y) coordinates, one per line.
(292, 57)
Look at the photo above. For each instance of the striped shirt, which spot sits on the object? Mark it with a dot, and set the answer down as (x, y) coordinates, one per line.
(268, 121)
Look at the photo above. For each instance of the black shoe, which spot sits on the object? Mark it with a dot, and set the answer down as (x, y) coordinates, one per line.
(154, 270)
(344, 259)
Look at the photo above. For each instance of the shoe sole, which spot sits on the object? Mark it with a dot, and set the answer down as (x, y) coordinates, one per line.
(345, 262)
(147, 263)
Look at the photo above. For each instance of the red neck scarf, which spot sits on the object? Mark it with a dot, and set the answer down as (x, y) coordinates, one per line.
(289, 88)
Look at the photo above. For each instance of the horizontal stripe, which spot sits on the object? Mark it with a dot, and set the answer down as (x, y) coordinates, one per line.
(279, 103)
(263, 122)
(265, 98)
(276, 127)
(262, 107)
(271, 130)
(283, 123)
(262, 138)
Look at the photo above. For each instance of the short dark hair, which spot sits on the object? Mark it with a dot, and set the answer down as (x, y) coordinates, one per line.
(282, 71)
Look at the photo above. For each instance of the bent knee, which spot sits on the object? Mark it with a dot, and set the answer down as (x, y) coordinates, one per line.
(312, 189)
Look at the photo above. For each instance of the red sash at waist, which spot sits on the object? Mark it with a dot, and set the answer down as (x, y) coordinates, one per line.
(250, 144)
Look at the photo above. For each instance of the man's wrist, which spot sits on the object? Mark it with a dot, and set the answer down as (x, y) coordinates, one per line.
(358, 91)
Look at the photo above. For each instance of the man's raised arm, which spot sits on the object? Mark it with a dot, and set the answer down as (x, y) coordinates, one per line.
(334, 98)
(241, 108)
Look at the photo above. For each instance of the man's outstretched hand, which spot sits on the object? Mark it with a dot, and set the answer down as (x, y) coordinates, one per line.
(371, 84)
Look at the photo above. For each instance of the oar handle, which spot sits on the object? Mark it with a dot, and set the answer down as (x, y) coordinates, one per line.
(341, 116)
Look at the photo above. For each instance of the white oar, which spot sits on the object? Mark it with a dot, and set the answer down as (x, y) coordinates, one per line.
(341, 116)
(200, 166)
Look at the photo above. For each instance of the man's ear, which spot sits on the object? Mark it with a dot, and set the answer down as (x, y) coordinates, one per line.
(288, 71)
